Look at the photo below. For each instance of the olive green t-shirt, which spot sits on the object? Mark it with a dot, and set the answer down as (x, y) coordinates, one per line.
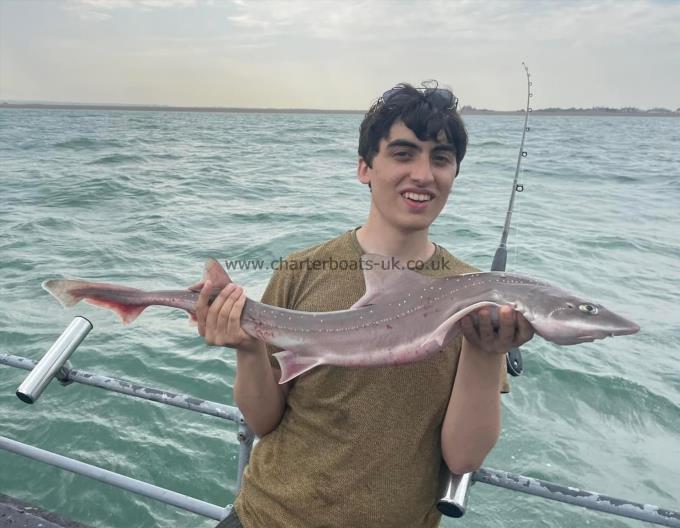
(356, 447)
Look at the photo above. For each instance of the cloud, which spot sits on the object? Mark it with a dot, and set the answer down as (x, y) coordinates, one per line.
(410, 20)
(248, 22)
(118, 4)
(102, 9)
(574, 22)
(341, 53)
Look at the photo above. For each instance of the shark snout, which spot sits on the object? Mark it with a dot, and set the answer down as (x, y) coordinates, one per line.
(617, 327)
(570, 329)
(629, 328)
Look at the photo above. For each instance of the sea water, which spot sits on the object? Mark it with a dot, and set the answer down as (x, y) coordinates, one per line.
(144, 197)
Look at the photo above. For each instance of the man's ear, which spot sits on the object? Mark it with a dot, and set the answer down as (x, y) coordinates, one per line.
(363, 172)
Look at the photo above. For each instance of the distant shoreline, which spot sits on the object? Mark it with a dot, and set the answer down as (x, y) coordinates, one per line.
(465, 110)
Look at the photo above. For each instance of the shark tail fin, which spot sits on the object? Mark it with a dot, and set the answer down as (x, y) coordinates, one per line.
(70, 292)
(293, 365)
(65, 291)
(126, 312)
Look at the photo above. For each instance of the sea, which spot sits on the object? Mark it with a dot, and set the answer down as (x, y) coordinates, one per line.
(143, 198)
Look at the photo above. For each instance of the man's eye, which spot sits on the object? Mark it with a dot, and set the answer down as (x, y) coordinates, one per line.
(402, 154)
(443, 160)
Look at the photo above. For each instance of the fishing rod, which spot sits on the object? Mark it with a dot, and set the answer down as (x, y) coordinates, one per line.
(455, 489)
(513, 359)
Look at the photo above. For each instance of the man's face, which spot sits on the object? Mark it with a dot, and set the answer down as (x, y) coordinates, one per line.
(410, 179)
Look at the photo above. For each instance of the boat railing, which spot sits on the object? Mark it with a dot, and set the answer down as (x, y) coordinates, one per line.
(54, 364)
(454, 488)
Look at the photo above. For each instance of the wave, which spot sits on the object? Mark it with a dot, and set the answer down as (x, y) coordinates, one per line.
(84, 143)
(490, 143)
(117, 158)
(618, 397)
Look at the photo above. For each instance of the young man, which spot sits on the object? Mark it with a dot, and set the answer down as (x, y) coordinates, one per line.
(362, 447)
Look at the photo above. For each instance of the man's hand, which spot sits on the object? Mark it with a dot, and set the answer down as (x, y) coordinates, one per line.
(220, 322)
(513, 330)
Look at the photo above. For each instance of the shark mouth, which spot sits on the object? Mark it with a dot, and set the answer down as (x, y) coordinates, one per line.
(601, 335)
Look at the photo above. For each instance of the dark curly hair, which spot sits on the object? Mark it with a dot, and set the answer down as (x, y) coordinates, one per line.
(426, 110)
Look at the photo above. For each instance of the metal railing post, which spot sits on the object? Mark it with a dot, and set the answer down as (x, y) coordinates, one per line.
(245, 439)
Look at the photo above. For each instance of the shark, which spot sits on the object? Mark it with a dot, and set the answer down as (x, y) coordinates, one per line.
(403, 317)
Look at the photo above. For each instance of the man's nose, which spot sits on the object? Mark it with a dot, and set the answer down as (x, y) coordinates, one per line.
(422, 171)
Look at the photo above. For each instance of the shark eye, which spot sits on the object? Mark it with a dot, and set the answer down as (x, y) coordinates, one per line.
(590, 309)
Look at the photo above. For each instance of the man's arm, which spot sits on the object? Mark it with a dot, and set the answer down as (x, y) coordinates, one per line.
(257, 393)
(473, 418)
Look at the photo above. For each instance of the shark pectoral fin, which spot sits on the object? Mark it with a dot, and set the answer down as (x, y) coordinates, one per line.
(451, 327)
(384, 279)
(293, 365)
(366, 300)
(215, 273)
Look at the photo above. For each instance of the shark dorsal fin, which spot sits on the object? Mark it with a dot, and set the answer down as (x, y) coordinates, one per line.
(215, 273)
(385, 280)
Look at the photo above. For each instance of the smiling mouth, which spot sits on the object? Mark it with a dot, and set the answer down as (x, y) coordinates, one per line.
(417, 197)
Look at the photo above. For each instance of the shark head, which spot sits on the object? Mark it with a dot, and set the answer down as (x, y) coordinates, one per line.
(571, 320)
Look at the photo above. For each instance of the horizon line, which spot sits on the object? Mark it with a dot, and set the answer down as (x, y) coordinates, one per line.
(596, 110)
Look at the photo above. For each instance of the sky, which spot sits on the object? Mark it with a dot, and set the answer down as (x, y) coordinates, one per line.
(340, 54)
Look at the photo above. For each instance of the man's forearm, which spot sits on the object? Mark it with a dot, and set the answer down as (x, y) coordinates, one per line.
(473, 418)
(257, 392)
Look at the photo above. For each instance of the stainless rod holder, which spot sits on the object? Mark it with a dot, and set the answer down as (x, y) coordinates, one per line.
(454, 493)
(49, 365)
